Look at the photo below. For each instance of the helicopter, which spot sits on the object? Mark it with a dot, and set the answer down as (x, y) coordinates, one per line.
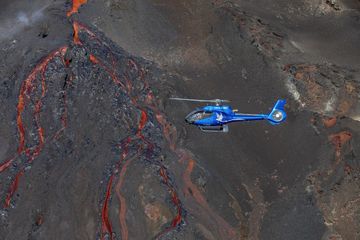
(215, 118)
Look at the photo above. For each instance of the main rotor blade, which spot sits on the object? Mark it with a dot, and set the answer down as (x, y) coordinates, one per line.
(199, 100)
(190, 99)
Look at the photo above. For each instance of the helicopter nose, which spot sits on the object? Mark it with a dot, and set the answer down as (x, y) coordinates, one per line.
(188, 120)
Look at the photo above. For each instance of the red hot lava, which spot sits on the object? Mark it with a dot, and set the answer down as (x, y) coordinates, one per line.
(13, 188)
(76, 4)
(27, 88)
(169, 133)
(174, 198)
(106, 225)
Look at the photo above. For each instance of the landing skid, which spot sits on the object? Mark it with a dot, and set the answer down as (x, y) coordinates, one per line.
(222, 128)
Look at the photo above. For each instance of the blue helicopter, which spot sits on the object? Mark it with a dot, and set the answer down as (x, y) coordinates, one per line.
(215, 118)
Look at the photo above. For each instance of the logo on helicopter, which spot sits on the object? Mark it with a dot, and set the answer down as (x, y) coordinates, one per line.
(219, 117)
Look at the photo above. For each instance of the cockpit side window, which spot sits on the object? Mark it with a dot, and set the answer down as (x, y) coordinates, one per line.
(199, 115)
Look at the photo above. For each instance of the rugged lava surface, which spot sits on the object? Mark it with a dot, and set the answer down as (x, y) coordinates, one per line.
(91, 148)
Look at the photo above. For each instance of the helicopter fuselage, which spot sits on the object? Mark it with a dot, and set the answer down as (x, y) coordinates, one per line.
(209, 117)
(218, 115)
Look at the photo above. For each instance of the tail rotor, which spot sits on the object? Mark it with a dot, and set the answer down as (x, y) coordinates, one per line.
(277, 114)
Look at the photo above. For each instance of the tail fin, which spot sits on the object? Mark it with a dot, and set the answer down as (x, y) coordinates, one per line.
(277, 114)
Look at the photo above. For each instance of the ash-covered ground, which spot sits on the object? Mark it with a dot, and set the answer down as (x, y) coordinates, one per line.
(91, 147)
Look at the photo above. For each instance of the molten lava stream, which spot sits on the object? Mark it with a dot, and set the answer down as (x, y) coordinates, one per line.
(76, 34)
(7, 163)
(25, 91)
(142, 122)
(77, 27)
(174, 199)
(163, 172)
(39, 147)
(27, 87)
(13, 188)
(76, 4)
(106, 225)
(122, 202)
(112, 74)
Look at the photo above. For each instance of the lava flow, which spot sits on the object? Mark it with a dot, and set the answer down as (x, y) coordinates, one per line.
(175, 200)
(6, 164)
(76, 33)
(76, 4)
(106, 225)
(131, 88)
(141, 125)
(24, 97)
(122, 204)
(28, 87)
(12, 189)
(106, 229)
(121, 198)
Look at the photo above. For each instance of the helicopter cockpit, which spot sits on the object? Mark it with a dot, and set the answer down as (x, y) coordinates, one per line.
(197, 115)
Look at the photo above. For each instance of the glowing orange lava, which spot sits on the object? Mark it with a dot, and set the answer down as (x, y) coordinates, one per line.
(122, 202)
(142, 122)
(6, 164)
(13, 188)
(76, 33)
(174, 199)
(76, 4)
(106, 226)
(93, 59)
(111, 72)
(26, 88)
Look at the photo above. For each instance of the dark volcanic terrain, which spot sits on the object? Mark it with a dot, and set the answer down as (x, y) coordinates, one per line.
(91, 147)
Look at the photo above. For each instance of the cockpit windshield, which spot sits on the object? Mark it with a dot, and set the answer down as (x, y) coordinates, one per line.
(198, 115)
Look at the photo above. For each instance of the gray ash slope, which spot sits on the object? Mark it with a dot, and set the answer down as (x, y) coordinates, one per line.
(295, 181)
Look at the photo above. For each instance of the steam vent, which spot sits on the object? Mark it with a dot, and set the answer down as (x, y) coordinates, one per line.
(91, 147)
